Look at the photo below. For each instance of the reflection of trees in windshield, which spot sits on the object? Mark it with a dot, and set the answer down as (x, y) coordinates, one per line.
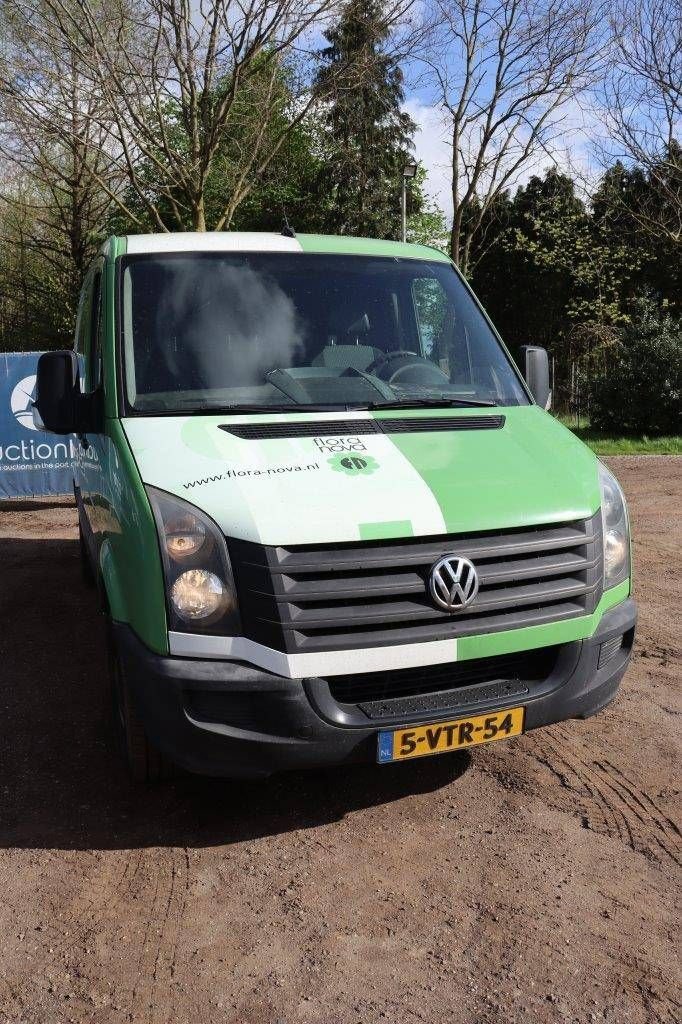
(431, 306)
(259, 328)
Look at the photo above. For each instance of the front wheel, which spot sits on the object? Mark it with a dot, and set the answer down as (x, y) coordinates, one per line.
(144, 762)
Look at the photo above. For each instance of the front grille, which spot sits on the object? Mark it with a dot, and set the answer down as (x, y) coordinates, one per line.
(316, 597)
(434, 687)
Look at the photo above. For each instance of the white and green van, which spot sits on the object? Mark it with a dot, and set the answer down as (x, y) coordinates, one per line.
(327, 518)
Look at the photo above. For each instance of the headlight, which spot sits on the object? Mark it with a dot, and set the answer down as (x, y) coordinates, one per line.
(185, 537)
(615, 529)
(199, 595)
(200, 591)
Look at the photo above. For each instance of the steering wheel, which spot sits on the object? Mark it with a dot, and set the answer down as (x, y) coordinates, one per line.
(385, 357)
(407, 361)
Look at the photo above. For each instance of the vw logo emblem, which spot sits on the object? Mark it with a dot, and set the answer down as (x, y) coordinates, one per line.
(453, 583)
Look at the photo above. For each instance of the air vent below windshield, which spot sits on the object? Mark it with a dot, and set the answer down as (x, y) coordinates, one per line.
(428, 424)
(356, 428)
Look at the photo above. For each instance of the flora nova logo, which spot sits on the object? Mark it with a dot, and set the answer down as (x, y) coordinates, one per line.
(21, 402)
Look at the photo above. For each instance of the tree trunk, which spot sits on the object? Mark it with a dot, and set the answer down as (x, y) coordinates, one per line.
(456, 230)
(456, 235)
(466, 254)
(199, 215)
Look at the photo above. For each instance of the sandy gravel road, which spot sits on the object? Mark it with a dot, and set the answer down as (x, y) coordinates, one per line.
(532, 881)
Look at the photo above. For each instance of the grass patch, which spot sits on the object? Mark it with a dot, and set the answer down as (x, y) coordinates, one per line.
(602, 444)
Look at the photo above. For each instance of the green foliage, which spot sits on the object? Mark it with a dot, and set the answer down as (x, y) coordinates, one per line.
(553, 271)
(426, 223)
(617, 444)
(285, 185)
(38, 289)
(367, 136)
(548, 270)
(315, 181)
(289, 187)
(641, 391)
(625, 205)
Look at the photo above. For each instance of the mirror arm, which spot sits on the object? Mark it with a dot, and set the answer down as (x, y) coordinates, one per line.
(89, 409)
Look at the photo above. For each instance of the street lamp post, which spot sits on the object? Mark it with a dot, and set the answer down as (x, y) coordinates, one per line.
(409, 171)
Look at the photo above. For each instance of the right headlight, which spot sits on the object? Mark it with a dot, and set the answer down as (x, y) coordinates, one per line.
(200, 591)
(615, 528)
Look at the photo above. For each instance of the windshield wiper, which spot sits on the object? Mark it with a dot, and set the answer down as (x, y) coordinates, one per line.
(228, 410)
(434, 403)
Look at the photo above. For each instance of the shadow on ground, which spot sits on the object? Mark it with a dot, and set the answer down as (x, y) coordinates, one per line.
(61, 782)
(37, 504)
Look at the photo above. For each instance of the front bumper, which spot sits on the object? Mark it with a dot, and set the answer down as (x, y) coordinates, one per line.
(260, 723)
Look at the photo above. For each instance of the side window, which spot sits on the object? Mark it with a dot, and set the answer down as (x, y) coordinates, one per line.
(78, 341)
(83, 320)
(93, 376)
(89, 332)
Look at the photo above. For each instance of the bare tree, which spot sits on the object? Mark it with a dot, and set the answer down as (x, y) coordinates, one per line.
(207, 63)
(642, 107)
(53, 154)
(504, 73)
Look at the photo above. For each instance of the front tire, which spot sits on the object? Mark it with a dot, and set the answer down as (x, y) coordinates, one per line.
(144, 762)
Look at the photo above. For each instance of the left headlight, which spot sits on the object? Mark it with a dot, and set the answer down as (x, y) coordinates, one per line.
(616, 531)
(200, 591)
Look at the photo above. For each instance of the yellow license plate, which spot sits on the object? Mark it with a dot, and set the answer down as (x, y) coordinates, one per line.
(439, 738)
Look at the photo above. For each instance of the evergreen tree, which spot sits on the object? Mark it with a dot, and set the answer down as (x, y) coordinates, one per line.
(532, 271)
(550, 278)
(625, 204)
(368, 136)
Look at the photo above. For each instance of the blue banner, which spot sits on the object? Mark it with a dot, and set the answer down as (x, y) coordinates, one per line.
(32, 462)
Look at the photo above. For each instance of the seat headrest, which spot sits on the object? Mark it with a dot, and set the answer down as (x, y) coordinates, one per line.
(338, 357)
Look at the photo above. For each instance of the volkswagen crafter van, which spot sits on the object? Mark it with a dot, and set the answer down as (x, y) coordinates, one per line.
(328, 519)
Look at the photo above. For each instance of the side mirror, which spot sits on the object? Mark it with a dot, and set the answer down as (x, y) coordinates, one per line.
(57, 390)
(536, 373)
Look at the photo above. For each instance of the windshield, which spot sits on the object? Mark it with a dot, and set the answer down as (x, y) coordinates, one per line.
(270, 331)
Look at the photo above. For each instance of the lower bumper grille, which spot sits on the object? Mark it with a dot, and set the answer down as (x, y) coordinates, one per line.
(493, 678)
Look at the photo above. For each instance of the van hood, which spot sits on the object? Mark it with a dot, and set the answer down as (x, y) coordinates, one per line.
(331, 485)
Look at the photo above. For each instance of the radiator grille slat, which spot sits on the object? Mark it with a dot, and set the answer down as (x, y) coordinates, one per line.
(337, 597)
(400, 632)
(344, 557)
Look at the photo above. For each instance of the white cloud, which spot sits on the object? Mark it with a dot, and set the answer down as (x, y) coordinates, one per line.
(432, 149)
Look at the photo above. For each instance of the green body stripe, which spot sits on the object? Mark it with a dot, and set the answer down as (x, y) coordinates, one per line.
(531, 471)
(531, 637)
(343, 245)
(386, 531)
(130, 557)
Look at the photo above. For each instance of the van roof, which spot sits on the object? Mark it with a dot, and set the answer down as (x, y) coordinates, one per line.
(268, 241)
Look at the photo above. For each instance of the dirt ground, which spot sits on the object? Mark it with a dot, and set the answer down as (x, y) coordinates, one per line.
(534, 880)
